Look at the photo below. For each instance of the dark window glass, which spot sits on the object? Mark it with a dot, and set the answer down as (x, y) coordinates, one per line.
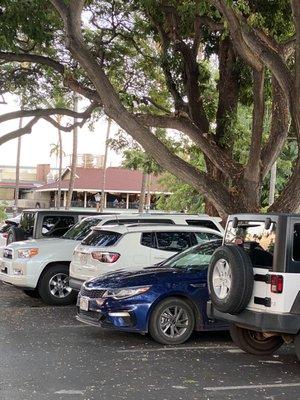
(205, 236)
(121, 221)
(27, 222)
(56, 225)
(257, 241)
(156, 221)
(101, 238)
(81, 229)
(202, 222)
(173, 241)
(195, 258)
(296, 243)
(147, 239)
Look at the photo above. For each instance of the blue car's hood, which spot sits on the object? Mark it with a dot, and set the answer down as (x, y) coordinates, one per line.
(145, 276)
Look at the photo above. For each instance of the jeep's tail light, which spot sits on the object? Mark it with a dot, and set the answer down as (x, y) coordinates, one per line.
(5, 235)
(105, 257)
(276, 283)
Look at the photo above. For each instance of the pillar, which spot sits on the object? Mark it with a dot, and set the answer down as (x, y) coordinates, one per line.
(84, 200)
(127, 201)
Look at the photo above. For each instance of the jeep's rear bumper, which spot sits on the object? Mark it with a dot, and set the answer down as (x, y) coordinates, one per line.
(259, 321)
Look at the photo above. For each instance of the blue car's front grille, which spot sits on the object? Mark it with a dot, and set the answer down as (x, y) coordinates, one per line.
(93, 293)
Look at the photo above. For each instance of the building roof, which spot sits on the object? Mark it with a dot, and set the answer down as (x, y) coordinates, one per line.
(22, 184)
(118, 180)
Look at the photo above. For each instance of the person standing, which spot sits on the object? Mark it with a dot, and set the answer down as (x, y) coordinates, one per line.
(97, 198)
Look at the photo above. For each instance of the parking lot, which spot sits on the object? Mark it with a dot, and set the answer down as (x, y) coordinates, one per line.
(47, 354)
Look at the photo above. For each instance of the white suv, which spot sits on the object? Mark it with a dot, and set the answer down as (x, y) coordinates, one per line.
(254, 281)
(130, 247)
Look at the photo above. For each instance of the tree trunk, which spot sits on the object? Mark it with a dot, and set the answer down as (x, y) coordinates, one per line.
(143, 193)
(17, 190)
(105, 165)
(74, 159)
(59, 169)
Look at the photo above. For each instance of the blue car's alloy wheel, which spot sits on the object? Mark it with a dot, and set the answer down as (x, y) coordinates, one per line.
(172, 321)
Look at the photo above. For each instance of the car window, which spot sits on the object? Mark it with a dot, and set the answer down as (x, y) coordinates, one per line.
(56, 225)
(198, 257)
(121, 221)
(147, 239)
(296, 243)
(101, 238)
(173, 241)
(255, 239)
(156, 221)
(27, 222)
(202, 222)
(81, 229)
(205, 236)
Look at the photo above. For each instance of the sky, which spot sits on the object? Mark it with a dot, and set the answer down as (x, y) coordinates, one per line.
(36, 146)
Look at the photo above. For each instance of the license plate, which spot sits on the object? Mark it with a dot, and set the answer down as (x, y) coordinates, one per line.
(83, 258)
(84, 304)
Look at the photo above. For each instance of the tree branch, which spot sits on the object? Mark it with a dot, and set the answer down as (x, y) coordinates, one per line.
(19, 132)
(208, 146)
(252, 169)
(280, 123)
(47, 112)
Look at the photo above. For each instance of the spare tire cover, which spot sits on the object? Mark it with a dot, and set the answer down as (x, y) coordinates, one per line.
(230, 279)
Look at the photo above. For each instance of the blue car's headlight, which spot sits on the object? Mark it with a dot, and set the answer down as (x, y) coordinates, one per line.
(123, 293)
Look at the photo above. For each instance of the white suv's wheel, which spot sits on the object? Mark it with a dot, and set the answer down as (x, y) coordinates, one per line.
(54, 286)
(254, 342)
(230, 279)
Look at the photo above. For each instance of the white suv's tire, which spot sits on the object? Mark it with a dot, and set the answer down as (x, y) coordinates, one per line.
(54, 288)
(230, 279)
(253, 342)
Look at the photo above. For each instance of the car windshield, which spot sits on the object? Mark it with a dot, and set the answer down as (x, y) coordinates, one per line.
(81, 229)
(196, 258)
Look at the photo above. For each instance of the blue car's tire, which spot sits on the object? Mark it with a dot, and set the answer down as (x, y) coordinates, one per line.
(172, 321)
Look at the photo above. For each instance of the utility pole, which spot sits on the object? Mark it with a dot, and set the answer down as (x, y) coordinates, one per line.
(17, 188)
(272, 183)
(105, 165)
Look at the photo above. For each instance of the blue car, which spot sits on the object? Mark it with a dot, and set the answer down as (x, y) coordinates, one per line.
(167, 300)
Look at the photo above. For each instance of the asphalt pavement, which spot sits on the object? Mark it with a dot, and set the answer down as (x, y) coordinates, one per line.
(46, 354)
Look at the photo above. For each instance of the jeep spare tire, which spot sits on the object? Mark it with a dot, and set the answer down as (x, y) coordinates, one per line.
(230, 279)
(15, 234)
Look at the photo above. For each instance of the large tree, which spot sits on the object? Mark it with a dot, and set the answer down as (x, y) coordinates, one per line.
(145, 63)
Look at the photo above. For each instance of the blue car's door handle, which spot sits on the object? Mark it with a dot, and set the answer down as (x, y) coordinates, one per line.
(203, 284)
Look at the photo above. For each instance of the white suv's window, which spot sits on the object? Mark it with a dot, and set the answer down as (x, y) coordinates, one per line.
(81, 229)
(56, 225)
(205, 236)
(255, 239)
(296, 243)
(101, 238)
(173, 241)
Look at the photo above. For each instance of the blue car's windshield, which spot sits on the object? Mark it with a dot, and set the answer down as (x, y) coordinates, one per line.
(197, 257)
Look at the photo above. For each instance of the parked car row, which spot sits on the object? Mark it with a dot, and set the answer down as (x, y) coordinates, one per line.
(126, 268)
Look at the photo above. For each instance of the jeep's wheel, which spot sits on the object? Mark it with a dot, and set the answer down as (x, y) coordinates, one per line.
(172, 321)
(230, 279)
(31, 293)
(297, 345)
(254, 342)
(54, 286)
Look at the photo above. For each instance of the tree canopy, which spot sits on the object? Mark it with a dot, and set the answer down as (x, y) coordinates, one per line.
(192, 66)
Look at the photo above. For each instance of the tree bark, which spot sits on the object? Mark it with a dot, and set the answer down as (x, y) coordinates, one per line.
(17, 188)
(105, 165)
(59, 169)
(143, 193)
(74, 160)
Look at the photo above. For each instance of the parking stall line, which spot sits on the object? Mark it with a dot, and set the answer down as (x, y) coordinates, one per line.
(246, 387)
(175, 349)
